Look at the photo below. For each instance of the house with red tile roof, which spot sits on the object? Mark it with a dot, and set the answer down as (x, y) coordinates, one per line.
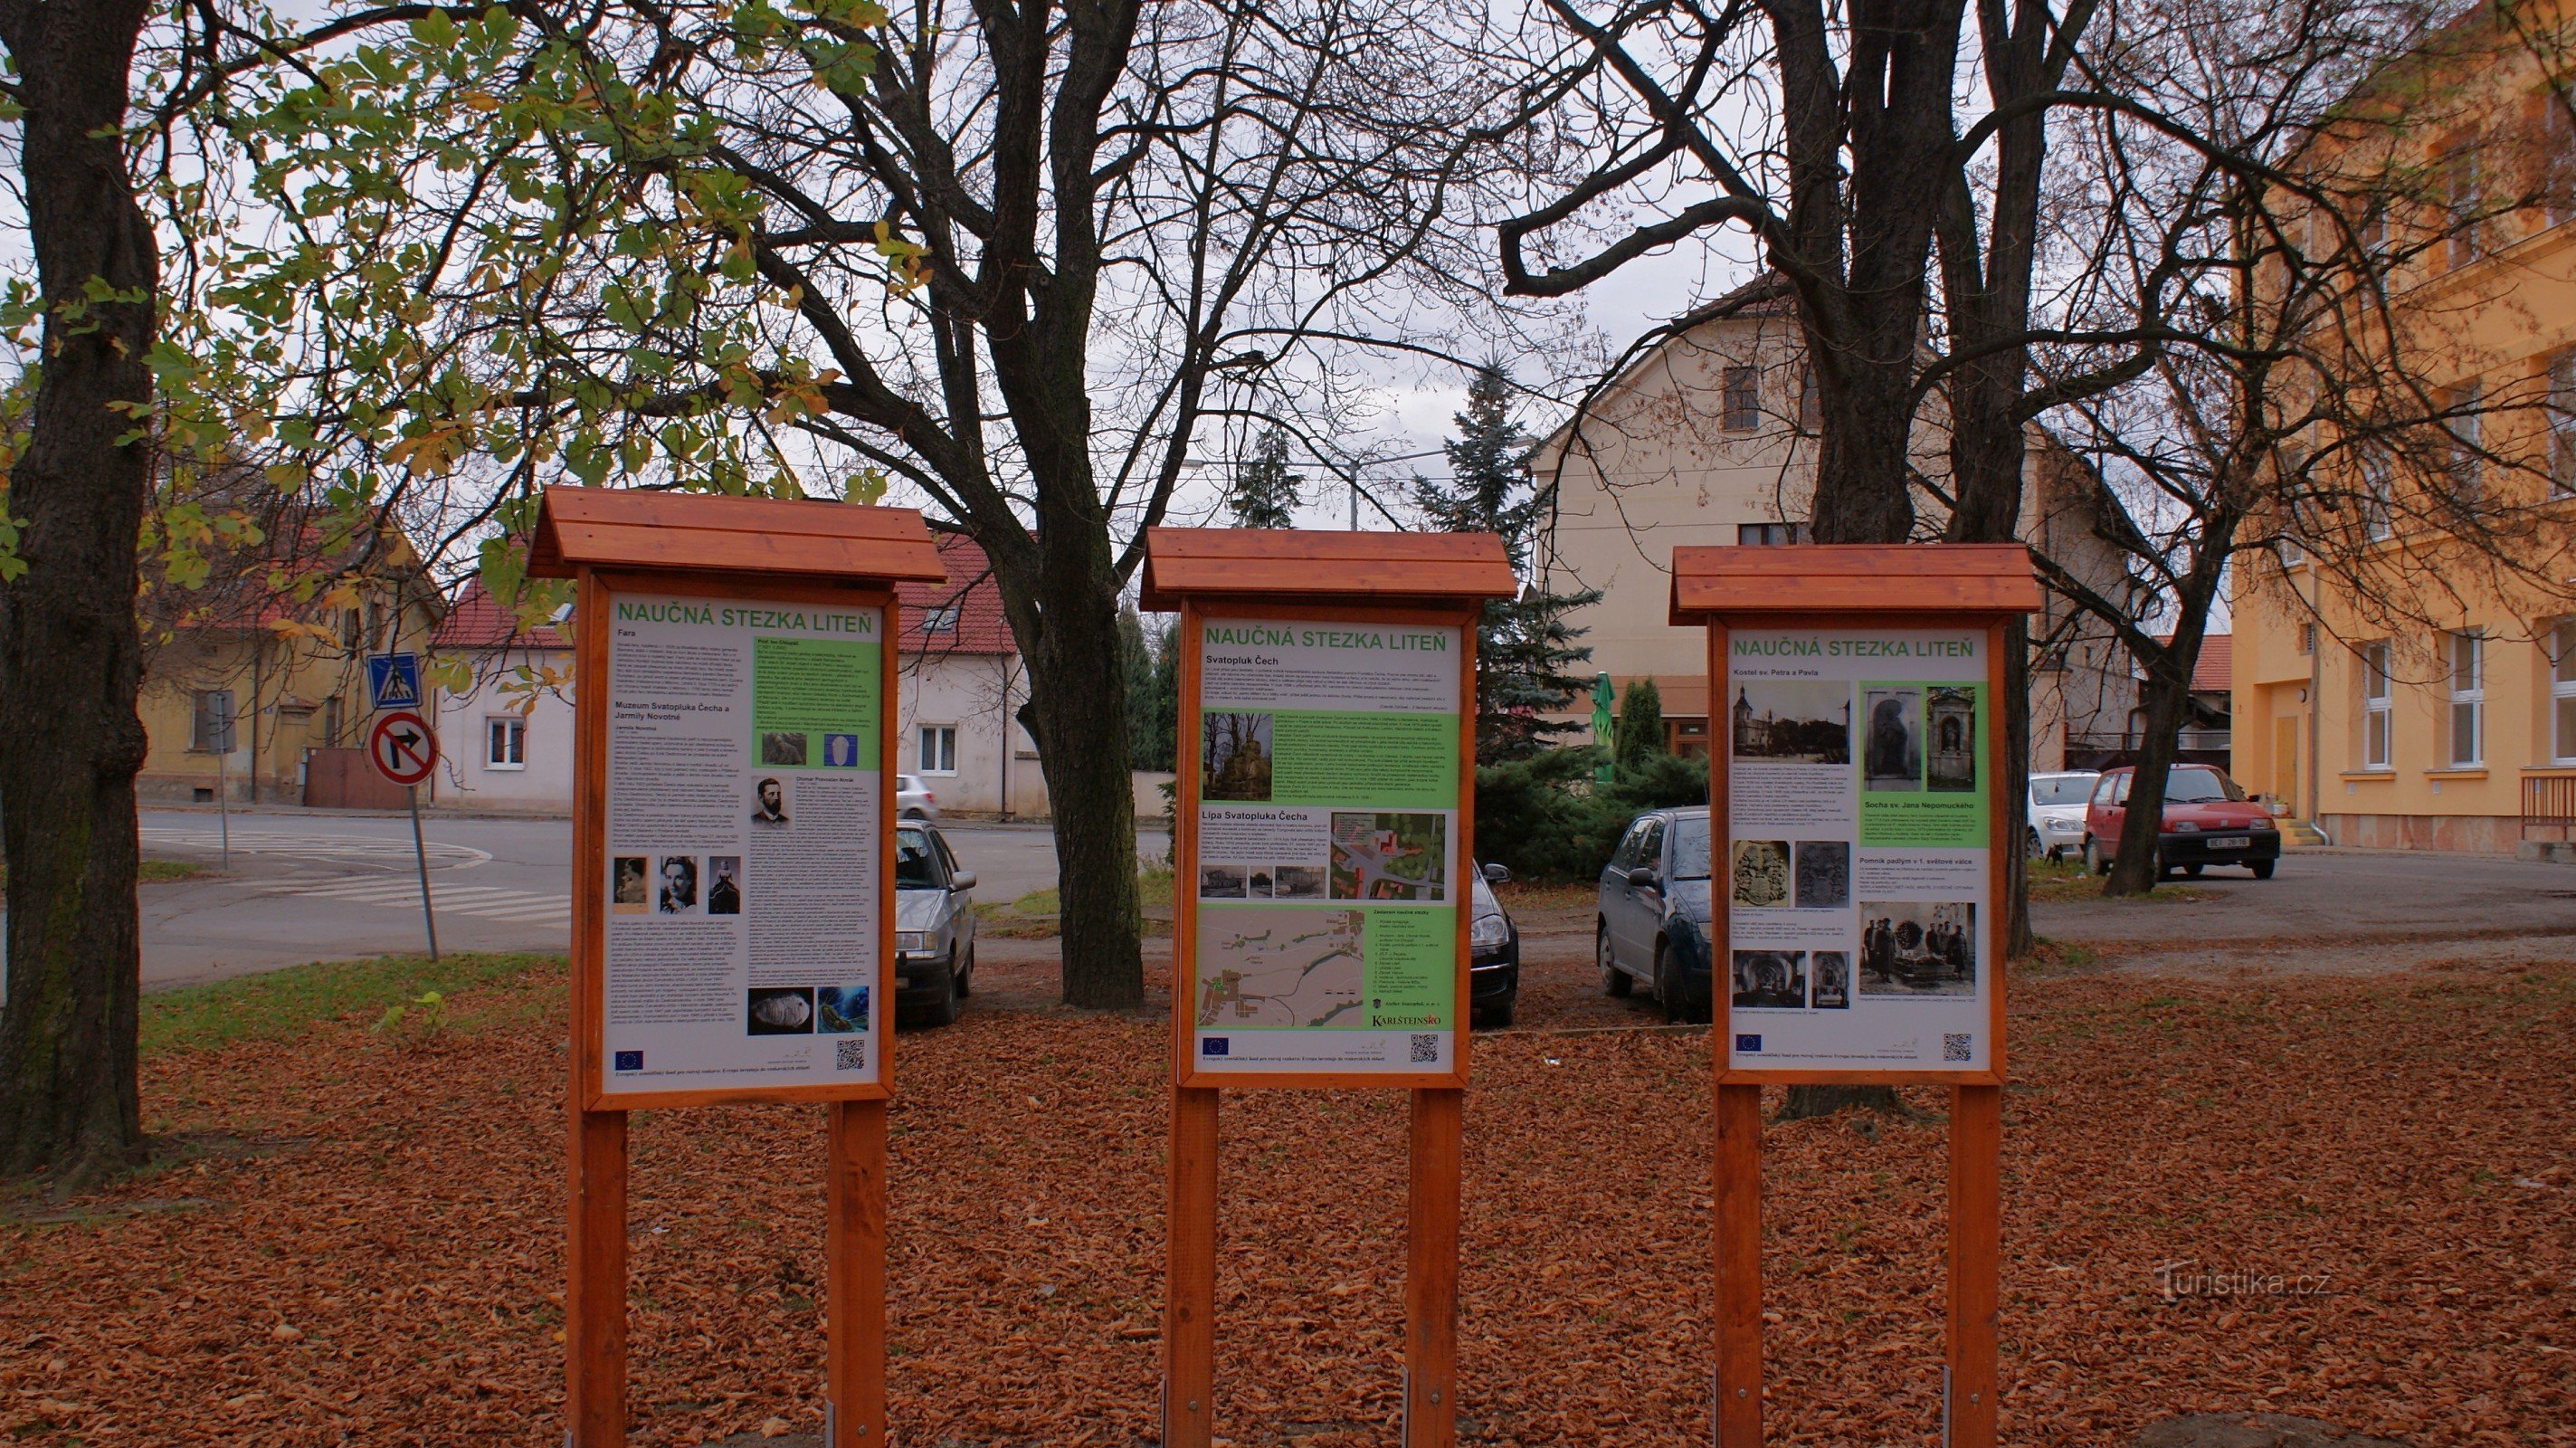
(507, 724)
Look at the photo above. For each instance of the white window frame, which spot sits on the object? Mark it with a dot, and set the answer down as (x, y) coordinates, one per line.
(2379, 493)
(2468, 439)
(2460, 185)
(513, 727)
(2378, 745)
(935, 749)
(2562, 691)
(940, 618)
(2466, 652)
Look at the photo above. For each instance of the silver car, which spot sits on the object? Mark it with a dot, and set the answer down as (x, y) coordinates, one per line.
(934, 925)
(2057, 813)
(913, 799)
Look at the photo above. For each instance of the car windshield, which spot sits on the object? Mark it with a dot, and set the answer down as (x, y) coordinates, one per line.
(916, 863)
(1690, 847)
(2198, 785)
(2062, 789)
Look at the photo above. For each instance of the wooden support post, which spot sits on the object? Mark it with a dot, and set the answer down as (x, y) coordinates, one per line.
(1189, 1272)
(1738, 1415)
(1976, 1250)
(595, 1298)
(854, 1330)
(1431, 1270)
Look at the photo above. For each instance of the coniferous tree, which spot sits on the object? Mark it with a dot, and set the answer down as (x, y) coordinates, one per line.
(1641, 724)
(1525, 650)
(1150, 748)
(1265, 493)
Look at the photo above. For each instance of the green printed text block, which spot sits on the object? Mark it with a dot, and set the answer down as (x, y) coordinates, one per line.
(818, 687)
(1353, 761)
(1411, 956)
(1948, 809)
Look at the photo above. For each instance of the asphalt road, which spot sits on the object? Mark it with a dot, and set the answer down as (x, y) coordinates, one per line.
(2333, 896)
(306, 885)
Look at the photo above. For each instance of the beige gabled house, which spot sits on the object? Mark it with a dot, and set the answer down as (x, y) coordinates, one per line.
(1708, 438)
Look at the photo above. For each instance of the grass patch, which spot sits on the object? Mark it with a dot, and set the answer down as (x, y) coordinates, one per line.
(148, 872)
(1033, 915)
(283, 1004)
(2056, 880)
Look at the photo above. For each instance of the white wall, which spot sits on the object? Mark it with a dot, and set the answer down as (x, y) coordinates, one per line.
(466, 781)
(977, 695)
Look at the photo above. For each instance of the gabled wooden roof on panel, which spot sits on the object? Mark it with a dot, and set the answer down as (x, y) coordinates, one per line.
(814, 538)
(1853, 578)
(1219, 563)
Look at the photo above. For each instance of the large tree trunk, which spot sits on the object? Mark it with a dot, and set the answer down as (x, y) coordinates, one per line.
(2135, 868)
(70, 741)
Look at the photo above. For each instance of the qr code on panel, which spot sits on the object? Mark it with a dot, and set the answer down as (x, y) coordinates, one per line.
(1426, 1050)
(1955, 1046)
(850, 1053)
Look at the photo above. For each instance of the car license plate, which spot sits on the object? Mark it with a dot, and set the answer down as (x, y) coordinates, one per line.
(2230, 842)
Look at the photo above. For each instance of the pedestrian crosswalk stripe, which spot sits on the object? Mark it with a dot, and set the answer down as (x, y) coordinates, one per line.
(484, 902)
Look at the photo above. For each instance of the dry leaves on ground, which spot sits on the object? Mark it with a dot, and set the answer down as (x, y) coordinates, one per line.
(383, 1263)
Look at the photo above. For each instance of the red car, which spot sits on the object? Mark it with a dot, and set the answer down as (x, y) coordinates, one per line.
(2208, 821)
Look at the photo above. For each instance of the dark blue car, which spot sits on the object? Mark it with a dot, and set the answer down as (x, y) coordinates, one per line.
(1654, 912)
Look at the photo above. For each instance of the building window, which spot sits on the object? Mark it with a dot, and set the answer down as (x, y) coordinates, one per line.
(2307, 638)
(2378, 490)
(2558, 159)
(2562, 424)
(505, 742)
(1741, 401)
(2460, 182)
(939, 749)
(2562, 692)
(2462, 408)
(210, 727)
(2468, 698)
(2375, 752)
(939, 618)
(1769, 535)
(1811, 402)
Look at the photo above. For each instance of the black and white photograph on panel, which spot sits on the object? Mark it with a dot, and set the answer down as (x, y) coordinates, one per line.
(1892, 738)
(1770, 980)
(1829, 977)
(1824, 874)
(1761, 873)
(1918, 948)
(1792, 721)
(1950, 722)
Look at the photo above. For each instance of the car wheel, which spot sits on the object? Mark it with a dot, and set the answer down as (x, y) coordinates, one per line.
(2095, 862)
(2262, 868)
(942, 1009)
(1614, 981)
(914, 813)
(2033, 846)
(1670, 993)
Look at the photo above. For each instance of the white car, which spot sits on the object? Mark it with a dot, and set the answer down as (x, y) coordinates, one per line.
(913, 799)
(2057, 813)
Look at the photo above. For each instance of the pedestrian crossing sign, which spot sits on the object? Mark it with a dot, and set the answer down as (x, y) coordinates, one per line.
(393, 680)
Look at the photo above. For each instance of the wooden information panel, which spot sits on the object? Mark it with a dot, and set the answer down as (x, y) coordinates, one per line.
(735, 677)
(1858, 829)
(1324, 820)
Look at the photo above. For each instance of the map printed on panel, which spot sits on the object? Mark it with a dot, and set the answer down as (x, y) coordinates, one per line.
(745, 844)
(1857, 850)
(1327, 870)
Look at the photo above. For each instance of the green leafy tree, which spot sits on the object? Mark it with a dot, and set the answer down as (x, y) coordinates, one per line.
(1526, 651)
(1265, 493)
(1000, 256)
(1641, 725)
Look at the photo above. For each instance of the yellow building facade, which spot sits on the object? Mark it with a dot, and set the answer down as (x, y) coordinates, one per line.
(2412, 683)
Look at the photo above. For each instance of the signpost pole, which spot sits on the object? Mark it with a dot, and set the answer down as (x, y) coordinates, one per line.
(595, 1302)
(1976, 1250)
(1739, 1267)
(1189, 1270)
(223, 796)
(1431, 1270)
(420, 856)
(854, 1250)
